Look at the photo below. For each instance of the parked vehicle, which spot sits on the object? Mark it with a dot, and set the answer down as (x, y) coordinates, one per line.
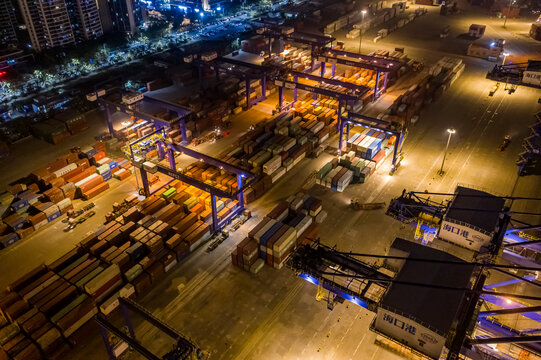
(505, 144)
(476, 30)
(445, 32)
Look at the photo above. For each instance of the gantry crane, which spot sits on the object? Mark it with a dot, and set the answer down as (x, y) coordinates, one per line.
(184, 349)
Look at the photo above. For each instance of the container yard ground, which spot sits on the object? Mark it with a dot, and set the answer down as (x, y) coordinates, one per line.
(274, 315)
(31, 153)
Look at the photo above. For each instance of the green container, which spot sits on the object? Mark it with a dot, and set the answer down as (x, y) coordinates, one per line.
(169, 193)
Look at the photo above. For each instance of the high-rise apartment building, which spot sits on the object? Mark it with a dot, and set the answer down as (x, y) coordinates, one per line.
(48, 23)
(8, 23)
(126, 15)
(85, 19)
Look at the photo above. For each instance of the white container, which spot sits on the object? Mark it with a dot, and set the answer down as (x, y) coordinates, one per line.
(275, 176)
(66, 169)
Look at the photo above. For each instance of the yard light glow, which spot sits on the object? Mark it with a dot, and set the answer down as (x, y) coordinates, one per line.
(451, 131)
(505, 54)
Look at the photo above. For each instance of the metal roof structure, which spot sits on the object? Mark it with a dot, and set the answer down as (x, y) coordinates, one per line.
(476, 208)
(432, 307)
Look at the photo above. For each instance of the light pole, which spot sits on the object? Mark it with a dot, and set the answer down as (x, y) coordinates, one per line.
(508, 12)
(504, 56)
(363, 12)
(451, 132)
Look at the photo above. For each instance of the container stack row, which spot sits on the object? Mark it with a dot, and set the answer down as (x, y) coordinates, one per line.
(357, 165)
(299, 59)
(370, 144)
(289, 224)
(47, 193)
(274, 147)
(42, 311)
(62, 126)
(407, 108)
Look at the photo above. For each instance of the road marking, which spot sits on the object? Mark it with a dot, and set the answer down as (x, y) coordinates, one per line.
(357, 348)
(263, 329)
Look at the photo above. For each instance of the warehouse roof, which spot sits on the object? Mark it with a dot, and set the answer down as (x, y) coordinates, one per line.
(475, 207)
(434, 308)
(246, 57)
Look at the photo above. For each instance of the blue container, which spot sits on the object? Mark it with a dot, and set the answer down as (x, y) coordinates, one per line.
(262, 254)
(107, 176)
(371, 132)
(113, 164)
(293, 149)
(53, 216)
(19, 225)
(296, 220)
(19, 204)
(9, 239)
(91, 153)
(266, 236)
(136, 252)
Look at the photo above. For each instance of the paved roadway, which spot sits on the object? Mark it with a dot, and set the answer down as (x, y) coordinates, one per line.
(236, 315)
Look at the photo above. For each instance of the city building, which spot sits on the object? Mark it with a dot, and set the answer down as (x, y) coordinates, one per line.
(8, 23)
(85, 19)
(48, 23)
(197, 5)
(126, 15)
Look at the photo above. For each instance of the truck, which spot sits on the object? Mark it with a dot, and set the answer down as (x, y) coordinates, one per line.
(381, 34)
(131, 98)
(477, 31)
(445, 32)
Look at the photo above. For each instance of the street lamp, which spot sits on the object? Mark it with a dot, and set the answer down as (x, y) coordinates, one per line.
(363, 12)
(451, 132)
(504, 56)
(508, 12)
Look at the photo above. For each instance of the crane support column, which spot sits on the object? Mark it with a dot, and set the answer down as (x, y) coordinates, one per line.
(313, 58)
(295, 79)
(126, 315)
(341, 134)
(248, 105)
(376, 88)
(348, 127)
(240, 196)
(385, 81)
(215, 225)
(144, 180)
(182, 124)
(264, 87)
(171, 155)
(108, 346)
(109, 120)
(339, 113)
(322, 73)
(280, 97)
(161, 153)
